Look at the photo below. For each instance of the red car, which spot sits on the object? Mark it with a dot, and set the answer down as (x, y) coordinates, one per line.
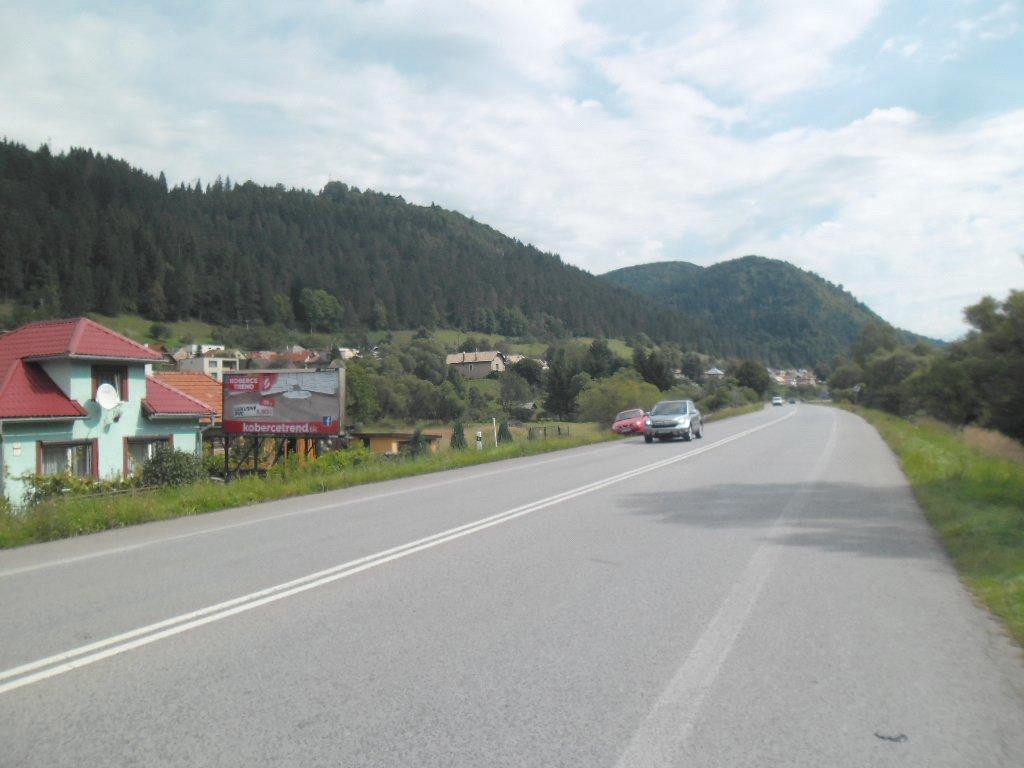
(630, 422)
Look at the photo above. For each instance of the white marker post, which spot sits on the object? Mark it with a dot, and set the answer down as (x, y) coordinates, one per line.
(479, 441)
(494, 424)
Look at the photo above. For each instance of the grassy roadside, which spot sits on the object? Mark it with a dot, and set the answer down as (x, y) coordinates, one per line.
(73, 516)
(974, 497)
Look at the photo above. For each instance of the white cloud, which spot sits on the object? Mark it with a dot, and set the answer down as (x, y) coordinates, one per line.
(906, 47)
(550, 128)
(762, 54)
(1000, 23)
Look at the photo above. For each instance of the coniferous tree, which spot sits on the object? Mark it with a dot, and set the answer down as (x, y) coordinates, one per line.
(458, 441)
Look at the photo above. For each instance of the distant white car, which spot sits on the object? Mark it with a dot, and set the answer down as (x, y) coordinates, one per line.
(776, 400)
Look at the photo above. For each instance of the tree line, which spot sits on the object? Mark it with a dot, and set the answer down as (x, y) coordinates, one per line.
(83, 232)
(410, 382)
(977, 380)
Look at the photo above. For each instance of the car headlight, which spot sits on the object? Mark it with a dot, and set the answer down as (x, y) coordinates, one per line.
(683, 421)
(647, 422)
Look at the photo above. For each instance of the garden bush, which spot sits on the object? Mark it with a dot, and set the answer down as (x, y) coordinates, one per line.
(335, 461)
(43, 487)
(170, 467)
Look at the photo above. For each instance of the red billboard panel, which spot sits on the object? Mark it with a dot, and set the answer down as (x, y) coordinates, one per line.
(284, 402)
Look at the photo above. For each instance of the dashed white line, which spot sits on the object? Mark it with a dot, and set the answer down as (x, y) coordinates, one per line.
(665, 730)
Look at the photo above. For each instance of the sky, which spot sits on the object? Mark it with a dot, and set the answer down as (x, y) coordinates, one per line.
(879, 144)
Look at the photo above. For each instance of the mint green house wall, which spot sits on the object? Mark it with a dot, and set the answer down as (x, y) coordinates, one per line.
(19, 439)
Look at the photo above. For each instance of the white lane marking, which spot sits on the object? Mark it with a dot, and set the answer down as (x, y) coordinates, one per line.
(293, 513)
(126, 641)
(668, 726)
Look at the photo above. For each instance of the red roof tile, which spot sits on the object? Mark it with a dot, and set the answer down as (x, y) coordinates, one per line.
(164, 400)
(206, 389)
(27, 392)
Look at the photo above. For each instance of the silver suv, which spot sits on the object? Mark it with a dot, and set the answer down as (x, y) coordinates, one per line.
(674, 418)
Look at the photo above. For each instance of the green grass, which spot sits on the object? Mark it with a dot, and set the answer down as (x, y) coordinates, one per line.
(137, 328)
(974, 500)
(452, 338)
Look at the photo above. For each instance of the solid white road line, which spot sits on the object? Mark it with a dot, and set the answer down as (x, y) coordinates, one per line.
(293, 513)
(60, 663)
(667, 727)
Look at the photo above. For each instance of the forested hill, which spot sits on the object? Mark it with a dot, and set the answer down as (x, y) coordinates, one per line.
(85, 232)
(763, 308)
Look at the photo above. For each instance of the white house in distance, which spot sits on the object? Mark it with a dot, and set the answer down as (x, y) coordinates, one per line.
(477, 365)
(213, 363)
(714, 373)
(51, 422)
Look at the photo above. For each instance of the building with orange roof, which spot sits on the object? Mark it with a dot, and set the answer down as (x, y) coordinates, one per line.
(199, 386)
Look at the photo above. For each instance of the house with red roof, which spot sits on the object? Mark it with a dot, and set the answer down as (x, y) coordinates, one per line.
(51, 422)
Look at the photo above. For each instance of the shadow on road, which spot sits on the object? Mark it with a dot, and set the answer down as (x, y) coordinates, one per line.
(838, 517)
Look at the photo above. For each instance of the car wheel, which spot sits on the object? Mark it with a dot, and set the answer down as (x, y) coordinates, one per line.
(648, 439)
(688, 434)
(700, 432)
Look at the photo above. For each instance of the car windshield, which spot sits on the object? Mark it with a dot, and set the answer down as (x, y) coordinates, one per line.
(633, 414)
(669, 408)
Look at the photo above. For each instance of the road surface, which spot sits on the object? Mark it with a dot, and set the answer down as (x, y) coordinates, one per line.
(767, 596)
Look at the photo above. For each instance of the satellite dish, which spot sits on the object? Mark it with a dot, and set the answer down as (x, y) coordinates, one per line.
(107, 397)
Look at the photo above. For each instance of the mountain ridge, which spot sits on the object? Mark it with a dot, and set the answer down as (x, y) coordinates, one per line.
(759, 306)
(83, 232)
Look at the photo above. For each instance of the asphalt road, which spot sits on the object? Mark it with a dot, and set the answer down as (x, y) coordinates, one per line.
(767, 596)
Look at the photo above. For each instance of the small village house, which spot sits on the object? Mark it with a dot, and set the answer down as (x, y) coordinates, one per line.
(213, 363)
(477, 365)
(392, 443)
(50, 422)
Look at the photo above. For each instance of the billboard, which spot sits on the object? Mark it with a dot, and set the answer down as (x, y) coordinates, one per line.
(284, 402)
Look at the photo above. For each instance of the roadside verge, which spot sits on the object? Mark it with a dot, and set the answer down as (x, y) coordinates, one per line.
(974, 500)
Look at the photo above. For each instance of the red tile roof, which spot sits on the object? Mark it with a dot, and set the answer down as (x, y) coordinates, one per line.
(25, 389)
(27, 392)
(199, 386)
(164, 400)
(76, 337)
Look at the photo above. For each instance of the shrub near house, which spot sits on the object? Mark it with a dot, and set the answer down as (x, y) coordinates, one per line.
(50, 422)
